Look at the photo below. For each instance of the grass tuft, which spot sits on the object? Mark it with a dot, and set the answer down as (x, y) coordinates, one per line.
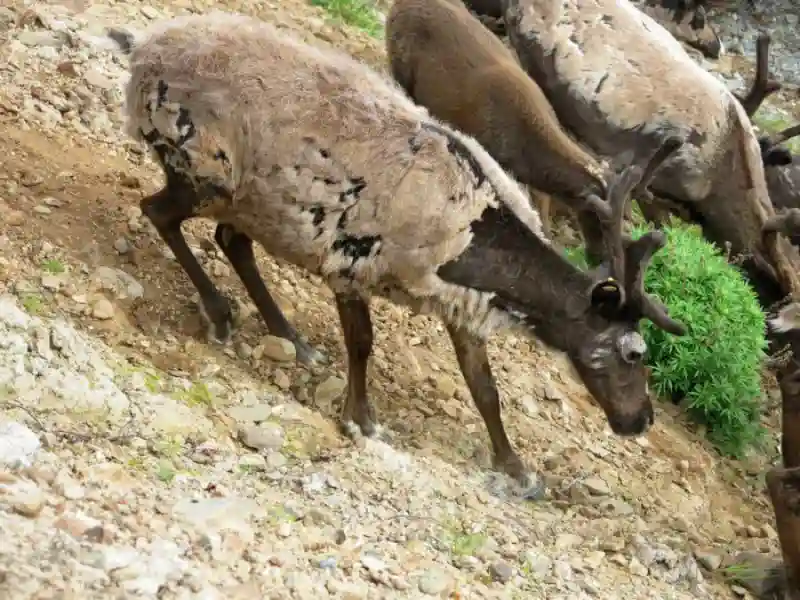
(358, 13)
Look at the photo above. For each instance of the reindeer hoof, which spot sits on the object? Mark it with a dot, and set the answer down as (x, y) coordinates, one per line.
(307, 354)
(222, 317)
(367, 429)
(533, 489)
(530, 485)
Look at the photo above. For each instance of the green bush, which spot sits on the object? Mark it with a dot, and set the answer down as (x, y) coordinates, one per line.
(358, 13)
(714, 370)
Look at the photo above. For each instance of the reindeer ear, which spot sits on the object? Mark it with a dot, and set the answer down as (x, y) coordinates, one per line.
(777, 157)
(607, 295)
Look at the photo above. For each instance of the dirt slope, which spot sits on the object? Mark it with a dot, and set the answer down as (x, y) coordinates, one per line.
(154, 489)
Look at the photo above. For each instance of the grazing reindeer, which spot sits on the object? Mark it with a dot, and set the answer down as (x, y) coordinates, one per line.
(620, 81)
(685, 20)
(331, 167)
(449, 63)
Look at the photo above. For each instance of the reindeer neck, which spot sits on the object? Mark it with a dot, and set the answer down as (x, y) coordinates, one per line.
(533, 283)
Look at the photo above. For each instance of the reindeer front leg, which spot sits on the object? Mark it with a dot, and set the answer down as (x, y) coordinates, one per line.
(474, 363)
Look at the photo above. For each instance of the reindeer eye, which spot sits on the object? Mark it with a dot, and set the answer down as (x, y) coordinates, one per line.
(632, 347)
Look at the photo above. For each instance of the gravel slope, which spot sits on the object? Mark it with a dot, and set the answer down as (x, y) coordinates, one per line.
(138, 461)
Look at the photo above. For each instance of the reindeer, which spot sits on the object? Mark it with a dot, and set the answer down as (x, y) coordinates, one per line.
(330, 166)
(619, 81)
(685, 20)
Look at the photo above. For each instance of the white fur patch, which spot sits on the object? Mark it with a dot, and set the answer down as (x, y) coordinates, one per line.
(788, 318)
(631, 342)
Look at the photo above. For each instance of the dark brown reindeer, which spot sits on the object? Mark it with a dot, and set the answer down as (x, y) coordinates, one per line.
(783, 483)
(335, 170)
(446, 61)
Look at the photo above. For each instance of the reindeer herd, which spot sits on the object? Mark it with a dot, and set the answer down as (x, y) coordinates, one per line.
(421, 189)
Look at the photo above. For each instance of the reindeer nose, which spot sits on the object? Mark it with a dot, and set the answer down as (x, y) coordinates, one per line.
(633, 425)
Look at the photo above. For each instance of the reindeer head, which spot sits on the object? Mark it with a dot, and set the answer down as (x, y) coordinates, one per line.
(610, 356)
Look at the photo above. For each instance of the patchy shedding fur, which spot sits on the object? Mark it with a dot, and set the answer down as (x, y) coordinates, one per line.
(619, 80)
(377, 198)
(334, 169)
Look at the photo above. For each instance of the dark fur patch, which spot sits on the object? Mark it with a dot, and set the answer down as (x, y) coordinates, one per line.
(357, 185)
(319, 215)
(355, 247)
(185, 121)
(457, 148)
(162, 90)
(177, 164)
(414, 145)
(601, 83)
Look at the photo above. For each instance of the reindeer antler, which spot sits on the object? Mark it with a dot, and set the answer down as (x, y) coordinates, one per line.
(786, 223)
(627, 260)
(762, 86)
(784, 136)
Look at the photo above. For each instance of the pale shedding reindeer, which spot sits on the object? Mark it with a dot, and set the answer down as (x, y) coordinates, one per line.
(620, 81)
(331, 167)
(684, 19)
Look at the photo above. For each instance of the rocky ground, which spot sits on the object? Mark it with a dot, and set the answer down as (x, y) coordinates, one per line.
(136, 460)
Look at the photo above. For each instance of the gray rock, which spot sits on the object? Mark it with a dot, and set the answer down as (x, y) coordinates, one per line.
(53, 39)
(501, 571)
(329, 390)
(102, 309)
(252, 414)
(537, 563)
(596, 486)
(267, 436)
(119, 282)
(435, 582)
(710, 559)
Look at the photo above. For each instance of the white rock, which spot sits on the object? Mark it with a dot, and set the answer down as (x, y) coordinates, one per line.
(18, 445)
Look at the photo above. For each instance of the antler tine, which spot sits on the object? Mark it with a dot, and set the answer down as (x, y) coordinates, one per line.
(639, 253)
(762, 86)
(638, 257)
(611, 215)
(786, 223)
(669, 147)
(785, 135)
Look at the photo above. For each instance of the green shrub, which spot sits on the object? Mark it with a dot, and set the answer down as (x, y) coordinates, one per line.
(714, 370)
(358, 13)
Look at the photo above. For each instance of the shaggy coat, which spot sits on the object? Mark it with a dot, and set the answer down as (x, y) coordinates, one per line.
(354, 183)
(619, 80)
(331, 167)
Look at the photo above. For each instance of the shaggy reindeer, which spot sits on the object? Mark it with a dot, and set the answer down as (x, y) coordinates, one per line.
(331, 167)
(620, 81)
(449, 63)
(685, 20)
